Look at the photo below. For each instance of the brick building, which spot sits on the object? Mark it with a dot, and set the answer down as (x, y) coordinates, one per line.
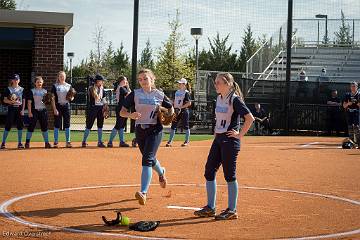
(32, 43)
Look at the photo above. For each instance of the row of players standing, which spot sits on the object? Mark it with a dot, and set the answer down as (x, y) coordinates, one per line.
(16, 99)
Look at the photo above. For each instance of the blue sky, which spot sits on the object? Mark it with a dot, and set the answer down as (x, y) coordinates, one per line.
(227, 16)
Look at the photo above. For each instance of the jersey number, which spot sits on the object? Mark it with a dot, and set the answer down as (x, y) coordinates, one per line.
(223, 123)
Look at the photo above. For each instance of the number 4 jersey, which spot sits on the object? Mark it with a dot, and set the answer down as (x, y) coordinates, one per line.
(228, 112)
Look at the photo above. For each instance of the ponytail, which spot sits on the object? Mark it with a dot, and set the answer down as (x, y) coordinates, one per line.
(237, 91)
(188, 87)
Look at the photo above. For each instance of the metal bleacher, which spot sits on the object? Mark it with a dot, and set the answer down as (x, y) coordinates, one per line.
(342, 63)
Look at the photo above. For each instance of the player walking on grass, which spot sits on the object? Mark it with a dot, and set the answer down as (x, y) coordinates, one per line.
(60, 90)
(181, 105)
(13, 97)
(147, 101)
(37, 111)
(352, 105)
(97, 102)
(230, 107)
(122, 90)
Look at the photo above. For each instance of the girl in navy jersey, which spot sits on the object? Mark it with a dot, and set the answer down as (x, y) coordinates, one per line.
(13, 97)
(181, 105)
(62, 105)
(122, 90)
(97, 102)
(37, 111)
(230, 107)
(352, 106)
(147, 101)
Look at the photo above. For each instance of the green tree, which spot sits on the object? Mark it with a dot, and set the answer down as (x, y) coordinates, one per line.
(8, 4)
(172, 64)
(343, 36)
(220, 55)
(248, 48)
(121, 64)
(146, 58)
(108, 61)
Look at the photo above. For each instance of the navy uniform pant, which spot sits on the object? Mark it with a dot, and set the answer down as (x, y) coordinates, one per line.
(64, 114)
(353, 126)
(14, 117)
(184, 116)
(223, 151)
(120, 121)
(95, 112)
(149, 140)
(353, 118)
(40, 115)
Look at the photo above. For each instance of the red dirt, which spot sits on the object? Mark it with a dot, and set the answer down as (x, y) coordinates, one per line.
(269, 162)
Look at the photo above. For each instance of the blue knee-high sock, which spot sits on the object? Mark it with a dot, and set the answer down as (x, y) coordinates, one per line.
(211, 193)
(28, 136)
(121, 135)
(19, 133)
(45, 136)
(157, 167)
(146, 176)
(233, 195)
(56, 135)
(112, 135)
(187, 135)
(67, 135)
(99, 134)
(172, 135)
(5, 135)
(86, 134)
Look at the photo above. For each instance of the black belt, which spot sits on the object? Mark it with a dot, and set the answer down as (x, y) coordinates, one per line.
(62, 104)
(40, 110)
(146, 126)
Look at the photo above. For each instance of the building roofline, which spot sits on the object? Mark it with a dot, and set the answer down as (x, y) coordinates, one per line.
(25, 19)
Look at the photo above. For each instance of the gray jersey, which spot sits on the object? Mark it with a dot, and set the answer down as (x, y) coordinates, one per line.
(61, 91)
(147, 104)
(19, 91)
(179, 98)
(228, 111)
(38, 95)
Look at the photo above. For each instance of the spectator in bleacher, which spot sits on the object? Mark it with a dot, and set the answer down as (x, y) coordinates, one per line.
(302, 75)
(262, 119)
(323, 75)
(302, 89)
(333, 113)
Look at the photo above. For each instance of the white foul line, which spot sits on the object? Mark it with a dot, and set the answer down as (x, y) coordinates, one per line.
(184, 208)
(309, 144)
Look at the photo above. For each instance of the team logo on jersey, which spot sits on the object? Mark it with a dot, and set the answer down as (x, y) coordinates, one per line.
(219, 109)
(179, 94)
(147, 101)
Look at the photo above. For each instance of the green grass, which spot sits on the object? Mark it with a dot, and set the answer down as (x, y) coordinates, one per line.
(76, 136)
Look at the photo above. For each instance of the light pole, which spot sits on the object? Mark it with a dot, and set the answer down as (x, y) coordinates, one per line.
(71, 55)
(326, 23)
(196, 33)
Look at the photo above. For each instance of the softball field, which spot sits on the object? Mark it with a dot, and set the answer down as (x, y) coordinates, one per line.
(290, 188)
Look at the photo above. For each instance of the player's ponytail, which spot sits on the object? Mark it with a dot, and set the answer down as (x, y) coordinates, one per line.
(188, 87)
(238, 91)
